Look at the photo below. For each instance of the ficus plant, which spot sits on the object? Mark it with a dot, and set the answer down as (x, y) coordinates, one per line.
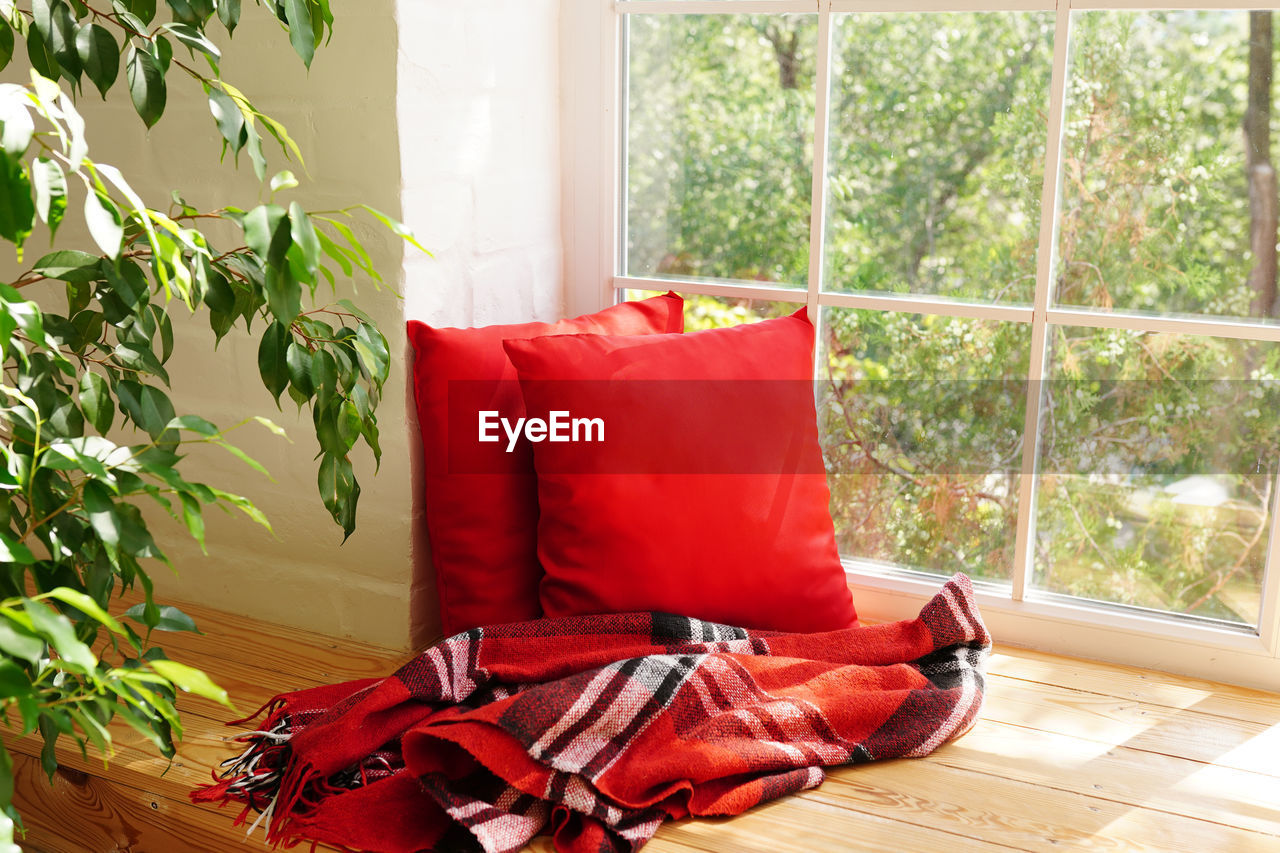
(88, 429)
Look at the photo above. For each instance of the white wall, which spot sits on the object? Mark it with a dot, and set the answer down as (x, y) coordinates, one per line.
(478, 110)
(444, 114)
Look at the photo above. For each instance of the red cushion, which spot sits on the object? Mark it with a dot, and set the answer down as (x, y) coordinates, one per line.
(707, 496)
(481, 502)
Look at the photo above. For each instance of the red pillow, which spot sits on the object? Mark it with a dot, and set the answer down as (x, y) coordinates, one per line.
(482, 513)
(702, 494)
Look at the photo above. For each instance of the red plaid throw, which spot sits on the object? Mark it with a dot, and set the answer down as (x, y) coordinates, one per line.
(598, 728)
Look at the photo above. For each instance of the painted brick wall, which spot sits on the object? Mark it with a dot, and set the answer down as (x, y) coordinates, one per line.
(478, 110)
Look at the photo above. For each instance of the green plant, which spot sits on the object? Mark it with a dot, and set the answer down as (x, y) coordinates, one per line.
(81, 381)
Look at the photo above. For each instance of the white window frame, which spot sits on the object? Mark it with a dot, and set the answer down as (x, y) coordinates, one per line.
(593, 181)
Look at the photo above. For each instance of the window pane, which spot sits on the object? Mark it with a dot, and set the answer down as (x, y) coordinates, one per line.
(938, 125)
(1163, 208)
(720, 146)
(921, 420)
(1157, 460)
(717, 312)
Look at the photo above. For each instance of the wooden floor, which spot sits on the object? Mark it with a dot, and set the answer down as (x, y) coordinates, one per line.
(1069, 754)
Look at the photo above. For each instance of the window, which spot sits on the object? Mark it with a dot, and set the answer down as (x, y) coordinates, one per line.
(1039, 242)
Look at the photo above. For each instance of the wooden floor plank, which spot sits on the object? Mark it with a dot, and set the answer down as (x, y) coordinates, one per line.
(802, 825)
(1127, 776)
(1069, 755)
(1210, 738)
(1127, 682)
(1003, 811)
(277, 649)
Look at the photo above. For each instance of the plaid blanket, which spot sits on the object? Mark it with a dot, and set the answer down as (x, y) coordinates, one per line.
(598, 728)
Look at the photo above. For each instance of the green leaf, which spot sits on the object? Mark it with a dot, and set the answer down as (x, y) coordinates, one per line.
(41, 56)
(6, 45)
(51, 193)
(304, 236)
(62, 41)
(301, 34)
(99, 55)
(61, 635)
(372, 348)
(162, 50)
(353, 309)
(13, 551)
(17, 640)
(273, 427)
(245, 458)
(92, 728)
(299, 363)
(168, 618)
(273, 364)
(18, 129)
(146, 406)
(69, 265)
(194, 423)
(266, 232)
(227, 115)
(397, 227)
(139, 722)
(17, 210)
(229, 14)
(191, 680)
(284, 294)
(13, 680)
(146, 86)
(29, 708)
(193, 517)
(244, 505)
(49, 731)
(85, 605)
(144, 9)
(42, 17)
(96, 401)
(103, 219)
(141, 359)
(165, 327)
(324, 377)
(101, 509)
(356, 252)
(349, 423)
(335, 252)
(194, 39)
(253, 143)
(339, 491)
(133, 23)
(283, 181)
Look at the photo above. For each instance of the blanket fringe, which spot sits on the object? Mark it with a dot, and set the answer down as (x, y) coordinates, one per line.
(265, 776)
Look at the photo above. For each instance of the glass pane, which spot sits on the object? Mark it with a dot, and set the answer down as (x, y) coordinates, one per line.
(921, 419)
(1157, 460)
(717, 312)
(1163, 208)
(720, 146)
(938, 125)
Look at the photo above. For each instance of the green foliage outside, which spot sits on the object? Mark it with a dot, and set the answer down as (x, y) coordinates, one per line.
(1158, 450)
(89, 430)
